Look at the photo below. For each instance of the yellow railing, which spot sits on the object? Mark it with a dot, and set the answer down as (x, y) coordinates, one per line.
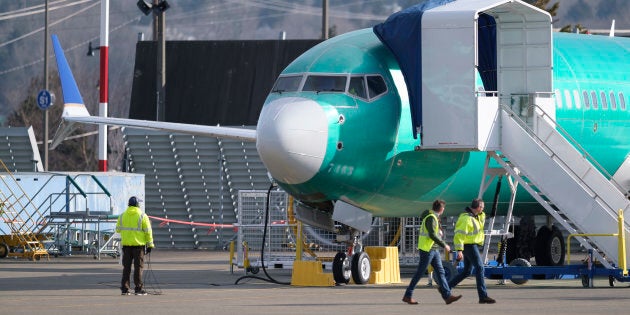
(621, 243)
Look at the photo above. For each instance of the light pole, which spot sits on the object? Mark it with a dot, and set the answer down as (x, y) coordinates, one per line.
(324, 19)
(158, 8)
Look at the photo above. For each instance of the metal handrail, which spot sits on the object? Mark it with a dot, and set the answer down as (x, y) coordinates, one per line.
(585, 154)
(579, 147)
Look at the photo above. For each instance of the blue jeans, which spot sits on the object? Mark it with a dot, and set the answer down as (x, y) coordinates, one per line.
(432, 257)
(472, 259)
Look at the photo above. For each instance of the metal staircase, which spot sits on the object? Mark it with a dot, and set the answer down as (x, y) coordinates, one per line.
(22, 218)
(578, 195)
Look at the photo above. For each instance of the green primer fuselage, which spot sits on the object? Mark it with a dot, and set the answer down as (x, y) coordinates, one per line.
(378, 169)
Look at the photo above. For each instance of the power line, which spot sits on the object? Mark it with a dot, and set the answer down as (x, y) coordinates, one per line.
(36, 10)
(81, 44)
(49, 25)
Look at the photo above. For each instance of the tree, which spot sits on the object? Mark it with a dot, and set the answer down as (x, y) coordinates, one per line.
(553, 10)
(542, 4)
(73, 155)
(579, 11)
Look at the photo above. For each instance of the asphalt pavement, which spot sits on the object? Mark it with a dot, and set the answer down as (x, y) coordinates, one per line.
(202, 282)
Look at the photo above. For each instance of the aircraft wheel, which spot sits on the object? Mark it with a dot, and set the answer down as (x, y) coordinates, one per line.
(341, 268)
(4, 250)
(542, 257)
(449, 271)
(550, 247)
(519, 262)
(511, 248)
(361, 268)
(556, 247)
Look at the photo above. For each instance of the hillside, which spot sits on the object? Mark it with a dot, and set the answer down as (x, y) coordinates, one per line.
(77, 23)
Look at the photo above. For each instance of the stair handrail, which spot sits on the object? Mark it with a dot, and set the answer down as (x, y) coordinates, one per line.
(579, 147)
(98, 182)
(581, 150)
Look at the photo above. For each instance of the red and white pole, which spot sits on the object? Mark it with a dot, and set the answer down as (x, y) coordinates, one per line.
(104, 86)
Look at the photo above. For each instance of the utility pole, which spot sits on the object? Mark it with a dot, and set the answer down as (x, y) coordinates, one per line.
(158, 35)
(324, 19)
(45, 85)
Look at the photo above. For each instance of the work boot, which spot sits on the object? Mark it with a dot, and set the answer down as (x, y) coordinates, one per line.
(487, 300)
(409, 300)
(452, 299)
(141, 292)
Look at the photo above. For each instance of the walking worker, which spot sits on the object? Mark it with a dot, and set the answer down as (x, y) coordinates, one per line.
(136, 237)
(469, 236)
(429, 242)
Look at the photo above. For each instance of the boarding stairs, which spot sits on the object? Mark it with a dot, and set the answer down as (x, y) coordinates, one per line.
(564, 179)
(21, 217)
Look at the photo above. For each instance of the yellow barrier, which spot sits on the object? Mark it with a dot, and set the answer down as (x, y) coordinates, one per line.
(621, 243)
(385, 266)
(310, 273)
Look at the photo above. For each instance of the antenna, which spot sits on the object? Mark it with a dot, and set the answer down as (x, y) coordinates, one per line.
(612, 29)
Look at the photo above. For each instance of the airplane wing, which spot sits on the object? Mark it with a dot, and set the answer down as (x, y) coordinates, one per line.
(74, 111)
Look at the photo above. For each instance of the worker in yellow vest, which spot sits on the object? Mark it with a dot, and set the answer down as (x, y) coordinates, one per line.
(469, 236)
(429, 242)
(136, 239)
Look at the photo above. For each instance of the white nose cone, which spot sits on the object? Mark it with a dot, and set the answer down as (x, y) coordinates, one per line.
(291, 138)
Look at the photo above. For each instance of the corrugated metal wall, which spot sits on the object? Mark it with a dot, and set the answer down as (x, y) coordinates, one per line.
(195, 179)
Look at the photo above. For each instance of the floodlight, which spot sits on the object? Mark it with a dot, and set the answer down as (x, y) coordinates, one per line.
(144, 7)
(91, 49)
(161, 7)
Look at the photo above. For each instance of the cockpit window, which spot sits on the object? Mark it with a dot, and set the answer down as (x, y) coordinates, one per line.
(325, 83)
(357, 87)
(376, 86)
(287, 84)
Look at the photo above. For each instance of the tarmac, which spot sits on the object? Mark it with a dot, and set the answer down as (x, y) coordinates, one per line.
(201, 282)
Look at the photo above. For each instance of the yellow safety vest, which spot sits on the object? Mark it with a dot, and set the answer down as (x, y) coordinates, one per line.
(134, 228)
(425, 242)
(469, 230)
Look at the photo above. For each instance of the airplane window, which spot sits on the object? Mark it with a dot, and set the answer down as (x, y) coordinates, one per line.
(576, 98)
(613, 101)
(357, 88)
(594, 96)
(622, 101)
(325, 83)
(567, 98)
(602, 95)
(287, 84)
(586, 104)
(558, 99)
(376, 85)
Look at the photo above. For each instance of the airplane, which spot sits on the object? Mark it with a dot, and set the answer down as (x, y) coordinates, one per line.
(337, 132)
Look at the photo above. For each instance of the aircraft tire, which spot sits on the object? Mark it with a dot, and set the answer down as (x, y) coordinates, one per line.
(341, 268)
(4, 250)
(449, 271)
(542, 256)
(361, 268)
(557, 248)
(520, 262)
(511, 249)
(550, 247)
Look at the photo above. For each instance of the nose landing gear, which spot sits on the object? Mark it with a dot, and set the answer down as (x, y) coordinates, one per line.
(356, 265)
